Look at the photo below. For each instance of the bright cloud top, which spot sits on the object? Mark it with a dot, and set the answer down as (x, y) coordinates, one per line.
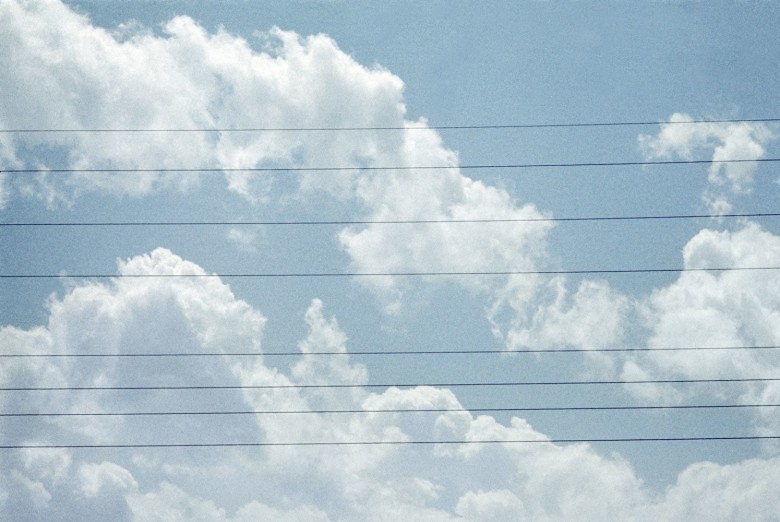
(69, 74)
(739, 308)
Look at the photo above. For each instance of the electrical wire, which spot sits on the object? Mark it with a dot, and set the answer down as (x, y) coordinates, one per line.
(392, 385)
(392, 410)
(387, 168)
(390, 274)
(392, 128)
(386, 352)
(388, 442)
(383, 222)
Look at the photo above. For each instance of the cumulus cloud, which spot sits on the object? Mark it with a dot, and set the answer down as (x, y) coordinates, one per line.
(592, 318)
(699, 493)
(540, 481)
(74, 75)
(442, 247)
(68, 74)
(724, 141)
(719, 309)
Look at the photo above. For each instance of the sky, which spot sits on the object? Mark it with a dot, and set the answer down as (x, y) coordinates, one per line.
(124, 129)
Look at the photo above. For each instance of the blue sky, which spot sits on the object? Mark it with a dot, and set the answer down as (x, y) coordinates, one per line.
(418, 66)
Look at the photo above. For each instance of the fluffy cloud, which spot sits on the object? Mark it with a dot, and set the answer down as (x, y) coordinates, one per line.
(592, 318)
(538, 481)
(69, 74)
(74, 75)
(699, 493)
(445, 247)
(725, 141)
(733, 308)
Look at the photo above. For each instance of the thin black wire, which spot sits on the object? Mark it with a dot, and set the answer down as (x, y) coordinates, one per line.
(384, 352)
(391, 274)
(392, 385)
(397, 410)
(393, 168)
(383, 222)
(387, 442)
(390, 128)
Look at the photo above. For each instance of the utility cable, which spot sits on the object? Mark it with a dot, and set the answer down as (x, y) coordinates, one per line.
(392, 385)
(390, 274)
(392, 410)
(387, 168)
(390, 442)
(404, 127)
(387, 352)
(382, 221)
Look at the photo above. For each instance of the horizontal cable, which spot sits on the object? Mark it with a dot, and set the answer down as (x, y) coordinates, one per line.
(387, 442)
(390, 128)
(383, 221)
(384, 352)
(393, 385)
(391, 274)
(396, 168)
(399, 410)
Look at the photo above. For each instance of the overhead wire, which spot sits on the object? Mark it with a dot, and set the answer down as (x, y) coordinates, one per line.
(485, 166)
(388, 352)
(391, 442)
(461, 384)
(481, 384)
(636, 123)
(437, 273)
(391, 410)
(384, 221)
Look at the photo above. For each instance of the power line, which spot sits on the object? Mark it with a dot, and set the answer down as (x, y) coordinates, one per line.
(389, 442)
(391, 353)
(387, 168)
(392, 385)
(392, 128)
(390, 274)
(391, 410)
(384, 222)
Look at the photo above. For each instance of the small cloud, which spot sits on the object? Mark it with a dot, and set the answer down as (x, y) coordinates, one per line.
(682, 138)
(245, 240)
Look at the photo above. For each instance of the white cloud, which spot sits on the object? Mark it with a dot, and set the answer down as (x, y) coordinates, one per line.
(245, 240)
(749, 490)
(500, 505)
(39, 495)
(171, 503)
(733, 308)
(5, 190)
(446, 247)
(50, 464)
(257, 511)
(69, 74)
(542, 480)
(724, 141)
(75, 75)
(592, 318)
(95, 477)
